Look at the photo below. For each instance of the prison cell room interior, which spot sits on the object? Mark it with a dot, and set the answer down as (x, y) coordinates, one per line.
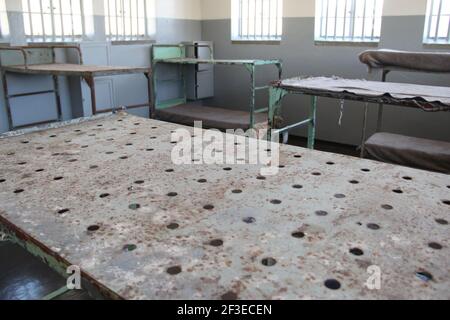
(224, 150)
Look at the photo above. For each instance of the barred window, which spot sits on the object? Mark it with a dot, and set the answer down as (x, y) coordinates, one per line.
(348, 20)
(4, 27)
(56, 20)
(257, 20)
(129, 19)
(437, 26)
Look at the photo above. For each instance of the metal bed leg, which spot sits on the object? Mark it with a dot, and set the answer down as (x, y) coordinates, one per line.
(154, 90)
(91, 83)
(253, 97)
(57, 97)
(312, 123)
(149, 89)
(381, 106)
(7, 102)
(363, 142)
(275, 97)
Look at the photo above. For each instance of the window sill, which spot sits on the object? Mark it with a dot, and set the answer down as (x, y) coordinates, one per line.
(55, 43)
(436, 45)
(346, 43)
(258, 41)
(131, 42)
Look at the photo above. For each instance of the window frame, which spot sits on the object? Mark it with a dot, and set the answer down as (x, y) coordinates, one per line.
(4, 23)
(86, 24)
(237, 21)
(149, 27)
(351, 16)
(427, 39)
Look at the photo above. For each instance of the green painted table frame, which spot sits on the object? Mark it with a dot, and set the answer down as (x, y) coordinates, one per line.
(277, 94)
(177, 54)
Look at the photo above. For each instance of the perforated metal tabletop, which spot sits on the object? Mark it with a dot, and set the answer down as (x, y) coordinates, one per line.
(104, 195)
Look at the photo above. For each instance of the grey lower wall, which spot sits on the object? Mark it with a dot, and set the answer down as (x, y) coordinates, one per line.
(302, 56)
(110, 91)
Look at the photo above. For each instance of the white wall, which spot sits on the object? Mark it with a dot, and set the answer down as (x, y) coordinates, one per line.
(180, 9)
(221, 9)
(174, 9)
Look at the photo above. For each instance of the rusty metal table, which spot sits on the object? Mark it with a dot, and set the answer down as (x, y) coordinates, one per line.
(104, 195)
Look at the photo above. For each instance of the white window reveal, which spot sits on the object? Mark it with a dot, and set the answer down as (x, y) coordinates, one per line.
(257, 20)
(437, 26)
(4, 27)
(348, 20)
(57, 20)
(129, 19)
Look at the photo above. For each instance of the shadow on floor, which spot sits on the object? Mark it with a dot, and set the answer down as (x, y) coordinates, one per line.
(24, 277)
(326, 146)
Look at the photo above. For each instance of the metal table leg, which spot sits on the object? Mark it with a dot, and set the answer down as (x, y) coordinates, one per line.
(149, 89)
(7, 102)
(312, 123)
(57, 97)
(275, 97)
(91, 83)
(363, 138)
(253, 96)
(381, 106)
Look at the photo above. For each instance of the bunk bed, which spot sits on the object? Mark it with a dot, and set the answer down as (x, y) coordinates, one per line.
(135, 234)
(45, 64)
(428, 98)
(178, 110)
(396, 148)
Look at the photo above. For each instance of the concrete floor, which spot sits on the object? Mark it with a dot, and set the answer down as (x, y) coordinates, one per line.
(24, 277)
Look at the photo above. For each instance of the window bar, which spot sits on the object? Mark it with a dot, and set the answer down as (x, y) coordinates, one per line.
(123, 19)
(42, 20)
(438, 21)
(335, 19)
(131, 20)
(277, 17)
(345, 19)
(240, 19)
(262, 17)
(448, 34)
(373, 19)
(255, 21)
(137, 18)
(83, 27)
(352, 21)
(116, 36)
(363, 34)
(326, 20)
(269, 17)
(248, 21)
(61, 18)
(52, 13)
(321, 19)
(71, 20)
(146, 17)
(30, 19)
(430, 20)
(109, 18)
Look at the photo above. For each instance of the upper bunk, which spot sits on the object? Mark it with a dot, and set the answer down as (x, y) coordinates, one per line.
(178, 54)
(394, 60)
(180, 110)
(428, 98)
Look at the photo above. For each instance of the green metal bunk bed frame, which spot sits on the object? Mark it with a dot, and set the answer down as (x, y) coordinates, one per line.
(177, 54)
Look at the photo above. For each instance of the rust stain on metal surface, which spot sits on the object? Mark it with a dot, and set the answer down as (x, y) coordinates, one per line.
(104, 195)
